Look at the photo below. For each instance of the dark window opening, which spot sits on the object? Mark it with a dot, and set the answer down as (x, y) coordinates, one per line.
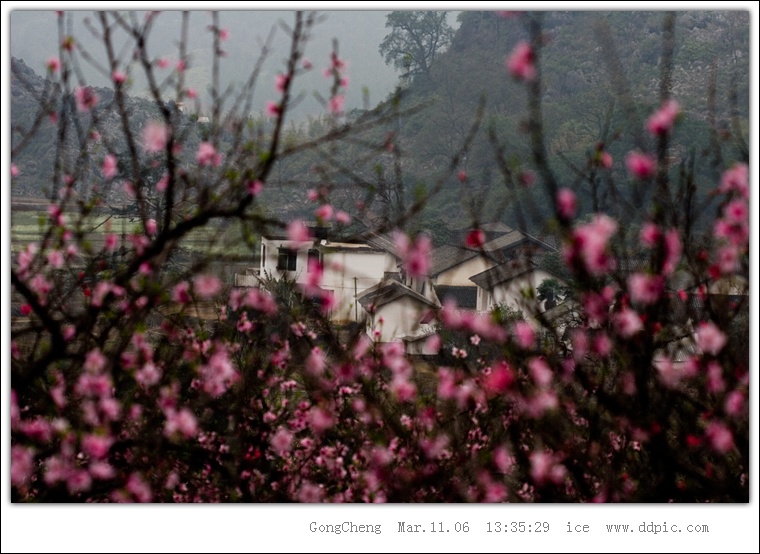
(314, 259)
(286, 259)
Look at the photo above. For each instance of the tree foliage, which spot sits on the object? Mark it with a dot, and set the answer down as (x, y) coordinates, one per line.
(415, 39)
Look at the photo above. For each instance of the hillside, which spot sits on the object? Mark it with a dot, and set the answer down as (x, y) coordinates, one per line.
(600, 80)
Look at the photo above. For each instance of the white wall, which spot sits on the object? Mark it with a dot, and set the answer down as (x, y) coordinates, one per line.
(347, 273)
(510, 293)
(459, 276)
(400, 317)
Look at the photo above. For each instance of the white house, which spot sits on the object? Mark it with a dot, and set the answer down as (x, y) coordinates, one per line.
(396, 312)
(349, 268)
(512, 284)
(453, 266)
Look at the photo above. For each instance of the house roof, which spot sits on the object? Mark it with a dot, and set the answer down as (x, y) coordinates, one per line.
(492, 227)
(449, 255)
(501, 273)
(380, 241)
(389, 291)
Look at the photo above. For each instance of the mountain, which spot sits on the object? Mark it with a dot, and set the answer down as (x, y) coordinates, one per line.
(600, 81)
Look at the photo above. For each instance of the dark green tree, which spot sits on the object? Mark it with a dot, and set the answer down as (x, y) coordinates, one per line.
(415, 39)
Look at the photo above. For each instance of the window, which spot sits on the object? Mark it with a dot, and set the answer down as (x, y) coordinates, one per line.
(314, 260)
(286, 259)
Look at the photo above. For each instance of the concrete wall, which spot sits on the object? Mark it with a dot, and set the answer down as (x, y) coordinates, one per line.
(459, 276)
(396, 319)
(510, 293)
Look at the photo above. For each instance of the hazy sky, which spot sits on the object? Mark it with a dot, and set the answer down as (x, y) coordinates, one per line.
(34, 37)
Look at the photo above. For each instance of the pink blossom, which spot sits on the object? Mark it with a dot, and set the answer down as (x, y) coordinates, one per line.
(206, 285)
(86, 98)
(281, 82)
(710, 338)
(55, 258)
(735, 179)
(282, 441)
(462, 176)
(102, 470)
(342, 217)
(669, 372)
(78, 480)
(109, 167)
(155, 136)
(162, 63)
(306, 64)
(191, 93)
(273, 109)
(500, 378)
(180, 423)
(298, 232)
(324, 213)
(734, 403)
(661, 121)
(602, 344)
(38, 430)
(14, 170)
(139, 488)
(320, 420)
(521, 62)
(309, 493)
(475, 238)
(255, 187)
(524, 334)
(543, 468)
(715, 382)
(640, 165)
(567, 203)
(433, 344)
(224, 34)
(316, 362)
(527, 178)
(736, 211)
(604, 159)
(627, 323)
(650, 234)
(148, 375)
(96, 446)
(719, 437)
(119, 77)
(53, 64)
(95, 362)
(151, 226)
(336, 104)
(645, 289)
(540, 372)
(41, 286)
(129, 189)
(218, 374)
(416, 256)
(181, 293)
(589, 245)
(207, 155)
(181, 66)
(673, 250)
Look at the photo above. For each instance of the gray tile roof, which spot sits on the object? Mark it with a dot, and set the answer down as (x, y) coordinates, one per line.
(501, 273)
(388, 291)
(447, 256)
